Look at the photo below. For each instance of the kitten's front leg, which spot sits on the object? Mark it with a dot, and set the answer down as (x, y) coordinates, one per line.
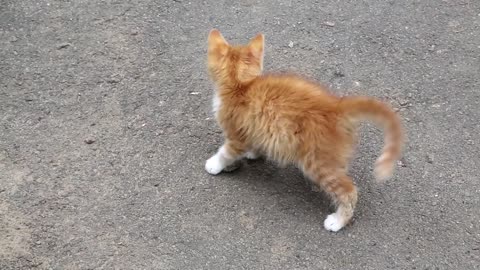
(252, 155)
(226, 156)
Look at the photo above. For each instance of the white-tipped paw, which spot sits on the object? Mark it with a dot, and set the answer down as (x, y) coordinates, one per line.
(251, 155)
(214, 165)
(333, 223)
(383, 169)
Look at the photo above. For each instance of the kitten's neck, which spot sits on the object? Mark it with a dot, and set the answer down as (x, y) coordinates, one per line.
(231, 85)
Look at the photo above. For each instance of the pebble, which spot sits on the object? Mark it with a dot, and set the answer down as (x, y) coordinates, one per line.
(63, 45)
(113, 80)
(402, 102)
(89, 141)
(331, 24)
(430, 158)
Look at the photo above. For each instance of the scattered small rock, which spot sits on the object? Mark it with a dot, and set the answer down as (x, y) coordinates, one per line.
(403, 102)
(338, 73)
(453, 24)
(13, 39)
(290, 44)
(63, 45)
(194, 93)
(430, 158)
(329, 24)
(401, 164)
(89, 141)
(134, 33)
(113, 80)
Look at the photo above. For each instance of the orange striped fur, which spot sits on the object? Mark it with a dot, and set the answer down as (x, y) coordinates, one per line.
(293, 121)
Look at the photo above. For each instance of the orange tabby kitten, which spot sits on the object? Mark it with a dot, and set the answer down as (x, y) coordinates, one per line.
(293, 121)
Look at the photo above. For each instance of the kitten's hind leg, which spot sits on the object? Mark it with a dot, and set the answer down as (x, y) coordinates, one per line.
(228, 153)
(343, 192)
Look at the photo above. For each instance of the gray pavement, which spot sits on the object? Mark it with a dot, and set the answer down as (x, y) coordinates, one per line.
(105, 125)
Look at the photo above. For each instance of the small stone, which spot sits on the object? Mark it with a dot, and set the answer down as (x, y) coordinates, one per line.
(430, 158)
(338, 73)
(402, 102)
(89, 141)
(290, 44)
(13, 39)
(330, 24)
(113, 80)
(63, 45)
(194, 93)
(453, 24)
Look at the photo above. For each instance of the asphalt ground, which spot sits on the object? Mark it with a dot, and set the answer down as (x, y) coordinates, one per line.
(105, 125)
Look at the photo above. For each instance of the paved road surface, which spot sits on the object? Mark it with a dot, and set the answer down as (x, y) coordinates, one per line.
(105, 125)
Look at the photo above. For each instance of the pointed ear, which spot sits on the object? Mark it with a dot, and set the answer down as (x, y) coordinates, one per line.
(217, 42)
(256, 46)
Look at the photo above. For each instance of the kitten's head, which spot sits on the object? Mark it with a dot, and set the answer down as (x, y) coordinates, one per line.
(236, 64)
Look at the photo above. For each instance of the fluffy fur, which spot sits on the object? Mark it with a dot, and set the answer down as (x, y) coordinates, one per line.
(293, 121)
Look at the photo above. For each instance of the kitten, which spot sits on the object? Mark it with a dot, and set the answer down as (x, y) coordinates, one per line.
(293, 121)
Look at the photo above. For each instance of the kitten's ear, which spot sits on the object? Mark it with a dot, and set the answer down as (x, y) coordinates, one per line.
(216, 42)
(256, 46)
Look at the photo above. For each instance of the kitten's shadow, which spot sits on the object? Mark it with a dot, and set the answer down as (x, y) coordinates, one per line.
(288, 186)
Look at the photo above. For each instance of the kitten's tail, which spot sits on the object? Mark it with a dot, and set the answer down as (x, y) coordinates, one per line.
(359, 108)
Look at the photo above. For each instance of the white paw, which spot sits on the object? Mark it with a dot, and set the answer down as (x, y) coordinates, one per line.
(251, 155)
(383, 168)
(333, 223)
(214, 165)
